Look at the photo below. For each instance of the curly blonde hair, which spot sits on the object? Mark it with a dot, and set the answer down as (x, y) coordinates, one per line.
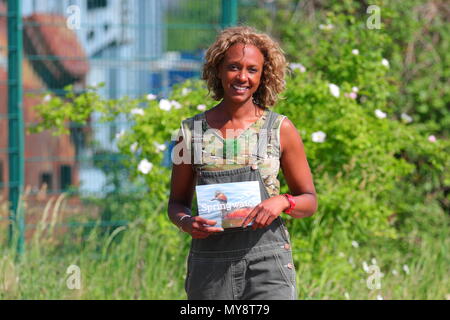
(272, 79)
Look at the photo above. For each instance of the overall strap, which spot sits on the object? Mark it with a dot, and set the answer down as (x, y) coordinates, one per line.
(197, 139)
(264, 136)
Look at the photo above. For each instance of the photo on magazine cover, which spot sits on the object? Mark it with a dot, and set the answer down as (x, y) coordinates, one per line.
(228, 203)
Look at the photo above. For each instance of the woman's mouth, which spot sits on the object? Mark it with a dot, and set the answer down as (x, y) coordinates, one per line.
(240, 89)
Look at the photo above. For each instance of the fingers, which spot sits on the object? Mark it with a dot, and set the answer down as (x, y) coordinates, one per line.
(203, 225)
(261, 220)
(261, 216)
(200, 227)
(205, 221)
(250, 216)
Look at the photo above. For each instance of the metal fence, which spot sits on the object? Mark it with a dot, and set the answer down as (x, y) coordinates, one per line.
(135, 47)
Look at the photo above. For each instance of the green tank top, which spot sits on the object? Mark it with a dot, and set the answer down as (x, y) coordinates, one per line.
(226, 154)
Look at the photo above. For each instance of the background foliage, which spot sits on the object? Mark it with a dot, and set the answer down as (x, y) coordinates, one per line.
(382, 182)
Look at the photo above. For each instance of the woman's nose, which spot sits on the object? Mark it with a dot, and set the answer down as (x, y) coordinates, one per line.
(242, 76)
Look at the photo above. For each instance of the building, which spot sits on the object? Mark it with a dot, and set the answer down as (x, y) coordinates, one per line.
(118, 42)
(41, 149)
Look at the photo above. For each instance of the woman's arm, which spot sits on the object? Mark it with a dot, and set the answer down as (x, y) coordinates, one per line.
(181, 192)
(180, 201)
(298, 176)
(296, 171)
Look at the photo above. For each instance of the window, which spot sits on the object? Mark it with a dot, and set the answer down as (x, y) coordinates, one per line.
(95, 4)
(46, 178)
(65, 177)
(91, 35)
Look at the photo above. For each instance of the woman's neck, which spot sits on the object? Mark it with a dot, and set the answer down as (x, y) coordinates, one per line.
(239, 111)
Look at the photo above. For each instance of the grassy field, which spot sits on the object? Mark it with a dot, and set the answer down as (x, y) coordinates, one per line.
(147, 261)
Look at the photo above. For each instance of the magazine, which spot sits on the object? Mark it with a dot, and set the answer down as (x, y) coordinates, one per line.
(228, 203)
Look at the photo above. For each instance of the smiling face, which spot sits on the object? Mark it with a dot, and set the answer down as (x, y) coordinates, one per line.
(240, 72)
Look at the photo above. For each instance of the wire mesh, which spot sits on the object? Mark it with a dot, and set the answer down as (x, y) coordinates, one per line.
(134, 47)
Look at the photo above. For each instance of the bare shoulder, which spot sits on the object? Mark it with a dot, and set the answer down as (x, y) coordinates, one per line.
(287, 126)
(289, 135)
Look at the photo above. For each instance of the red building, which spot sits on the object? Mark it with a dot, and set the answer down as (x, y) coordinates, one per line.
(49, 161)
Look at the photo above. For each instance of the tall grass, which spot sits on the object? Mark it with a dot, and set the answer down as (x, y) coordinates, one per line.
(146, 261)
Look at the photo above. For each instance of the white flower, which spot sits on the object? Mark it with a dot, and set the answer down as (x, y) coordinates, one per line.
(395, 272)
(137, 111)
(318, 136)
(47, 98)
(351, 261)
(201, 107)
(145, 166)
(159, 147)
(165, 105)
(406, 118)
(341, 254)
(380, 114)
(432, 138)
(120, 134)
(355, 89)
(334, 89)
(374, 261)
(406, 268)
(385, 62)
(134, 147)
(326, 26)
(365, 266)
(297, 66)
(185, 91)
(175, 104)
(355, 52)
(347, 296)
(355, 244)
(379, 297)
(351, 95)
(151, 96)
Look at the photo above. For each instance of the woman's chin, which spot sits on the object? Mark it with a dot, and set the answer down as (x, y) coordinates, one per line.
(239, 99)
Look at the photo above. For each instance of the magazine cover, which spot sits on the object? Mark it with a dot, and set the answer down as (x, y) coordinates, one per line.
(228, 203)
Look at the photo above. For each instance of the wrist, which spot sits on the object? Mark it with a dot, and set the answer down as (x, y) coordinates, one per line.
(291, 203)
(182, 221)
(286, 203)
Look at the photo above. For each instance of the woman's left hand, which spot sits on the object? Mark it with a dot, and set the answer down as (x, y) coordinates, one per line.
(267, 211)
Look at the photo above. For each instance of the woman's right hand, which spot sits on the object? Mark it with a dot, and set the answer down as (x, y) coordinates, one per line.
(198, 227)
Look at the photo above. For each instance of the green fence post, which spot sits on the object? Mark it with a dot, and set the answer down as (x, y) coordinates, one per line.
(229, 13)
(15, 123)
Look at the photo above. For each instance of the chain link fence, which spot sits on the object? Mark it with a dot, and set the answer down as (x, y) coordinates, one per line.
(134, 47)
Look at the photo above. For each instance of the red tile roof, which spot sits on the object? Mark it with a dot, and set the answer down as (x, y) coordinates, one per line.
(48, 35)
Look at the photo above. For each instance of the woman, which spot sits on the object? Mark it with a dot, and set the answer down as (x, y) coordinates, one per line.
(245, 71)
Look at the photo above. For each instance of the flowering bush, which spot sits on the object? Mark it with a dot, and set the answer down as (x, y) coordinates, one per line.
(359, 159)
